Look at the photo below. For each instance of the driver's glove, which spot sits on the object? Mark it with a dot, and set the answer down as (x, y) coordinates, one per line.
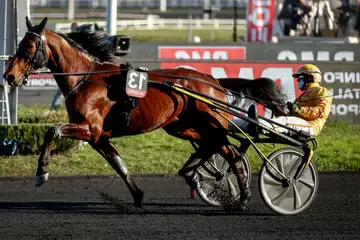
(292, 108)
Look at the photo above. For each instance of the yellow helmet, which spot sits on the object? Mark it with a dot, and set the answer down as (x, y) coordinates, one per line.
(309, 69)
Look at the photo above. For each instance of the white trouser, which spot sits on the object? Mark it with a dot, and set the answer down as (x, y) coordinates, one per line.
(295, 123)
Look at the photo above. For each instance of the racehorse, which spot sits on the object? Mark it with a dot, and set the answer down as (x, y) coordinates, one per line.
(96, 103)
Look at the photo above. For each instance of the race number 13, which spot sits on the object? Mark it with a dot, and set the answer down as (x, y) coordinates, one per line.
(136, 83)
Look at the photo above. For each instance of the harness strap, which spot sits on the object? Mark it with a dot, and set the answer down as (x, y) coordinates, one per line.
(85, 80)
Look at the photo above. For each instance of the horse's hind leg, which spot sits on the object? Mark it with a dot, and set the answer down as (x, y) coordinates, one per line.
(104, 147)
(218, 142)
(233, 157)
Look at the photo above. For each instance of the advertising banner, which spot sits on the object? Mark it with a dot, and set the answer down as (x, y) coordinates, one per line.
(41, 82)
(202, 52)
(341, 79)
(252, 51)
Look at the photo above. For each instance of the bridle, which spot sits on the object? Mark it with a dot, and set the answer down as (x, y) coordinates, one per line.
(35, 62)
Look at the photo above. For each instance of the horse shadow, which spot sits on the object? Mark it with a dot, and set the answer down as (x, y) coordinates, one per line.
(116, 206)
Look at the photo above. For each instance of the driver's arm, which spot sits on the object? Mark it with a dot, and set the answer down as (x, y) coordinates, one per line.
(321, 100)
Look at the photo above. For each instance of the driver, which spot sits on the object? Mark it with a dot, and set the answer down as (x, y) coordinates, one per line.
(308, 113)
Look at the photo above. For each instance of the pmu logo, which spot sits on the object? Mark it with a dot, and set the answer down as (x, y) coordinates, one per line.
(202, 53)
(288, 55)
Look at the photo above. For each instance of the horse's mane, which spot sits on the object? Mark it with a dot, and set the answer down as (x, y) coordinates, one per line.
(260, 89)
(93, 43)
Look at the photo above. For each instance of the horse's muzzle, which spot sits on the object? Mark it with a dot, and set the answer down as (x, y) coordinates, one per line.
(10, 79)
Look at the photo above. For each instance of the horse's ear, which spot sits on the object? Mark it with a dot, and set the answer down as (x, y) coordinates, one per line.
(42, 24)
(28, 23)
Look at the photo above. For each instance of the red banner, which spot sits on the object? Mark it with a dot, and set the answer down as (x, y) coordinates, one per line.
(281, 73)
(260, 16)
(202, 53)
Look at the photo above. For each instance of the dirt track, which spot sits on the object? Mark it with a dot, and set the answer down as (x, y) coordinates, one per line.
(101, 208)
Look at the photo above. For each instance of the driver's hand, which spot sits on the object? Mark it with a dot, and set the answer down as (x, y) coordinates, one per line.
(292, 108)
(276, 110)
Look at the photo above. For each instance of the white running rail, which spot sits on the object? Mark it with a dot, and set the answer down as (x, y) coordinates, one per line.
(160, 23)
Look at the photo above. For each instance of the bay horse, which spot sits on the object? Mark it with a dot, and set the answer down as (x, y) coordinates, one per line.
(96, 104)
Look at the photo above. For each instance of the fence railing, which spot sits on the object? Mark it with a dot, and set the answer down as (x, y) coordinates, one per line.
(136, 3)
(159, 23)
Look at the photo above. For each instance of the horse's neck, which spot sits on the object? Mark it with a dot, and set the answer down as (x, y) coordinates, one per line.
(63, 58)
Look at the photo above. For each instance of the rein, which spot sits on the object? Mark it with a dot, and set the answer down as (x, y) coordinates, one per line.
(84, 80)
(222, 89)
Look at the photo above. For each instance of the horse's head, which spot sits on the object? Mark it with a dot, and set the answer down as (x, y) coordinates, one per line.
(30, 55)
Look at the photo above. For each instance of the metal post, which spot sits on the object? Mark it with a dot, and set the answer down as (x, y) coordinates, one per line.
(206, 9)
(23, 10)
(8, 42)
(3, 18)
(163, 5)
(235, 22)
(71, 10)
(189, 32)
(111, 16)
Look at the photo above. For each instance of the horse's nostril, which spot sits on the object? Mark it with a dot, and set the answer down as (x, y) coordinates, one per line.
(10, 78)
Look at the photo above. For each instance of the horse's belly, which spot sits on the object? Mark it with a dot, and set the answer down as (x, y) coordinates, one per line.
(153, 112)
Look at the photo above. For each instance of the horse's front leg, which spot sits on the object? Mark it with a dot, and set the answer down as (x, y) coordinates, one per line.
(79, 131)
(104, 147)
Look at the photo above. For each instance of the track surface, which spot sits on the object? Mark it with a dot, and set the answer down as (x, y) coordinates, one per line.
(101, 208)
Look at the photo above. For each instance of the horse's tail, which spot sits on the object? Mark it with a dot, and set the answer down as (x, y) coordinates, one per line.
(262, 90)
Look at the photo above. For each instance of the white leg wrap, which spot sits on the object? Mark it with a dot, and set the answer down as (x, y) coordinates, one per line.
(57, 132)
(118, 164)
(41, 179)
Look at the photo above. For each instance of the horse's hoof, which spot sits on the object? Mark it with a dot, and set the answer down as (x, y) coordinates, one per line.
(245, 197)
(42, 179)
(138, 205)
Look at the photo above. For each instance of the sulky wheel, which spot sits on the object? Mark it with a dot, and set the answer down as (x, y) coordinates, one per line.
(287, 196)
(217, 185)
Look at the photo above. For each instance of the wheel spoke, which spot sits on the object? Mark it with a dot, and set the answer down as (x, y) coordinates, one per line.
(271, 181)
(205, 176)
(294, 166)
(223, 165)
(308, 183)
(279, 197)
(280, 163)
(215, 167)
(297, 199)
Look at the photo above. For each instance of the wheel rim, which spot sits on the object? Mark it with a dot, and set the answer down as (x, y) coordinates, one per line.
(294, 196)
(223, 191)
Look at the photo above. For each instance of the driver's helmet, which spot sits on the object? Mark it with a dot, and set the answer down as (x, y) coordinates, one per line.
(309, 69)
